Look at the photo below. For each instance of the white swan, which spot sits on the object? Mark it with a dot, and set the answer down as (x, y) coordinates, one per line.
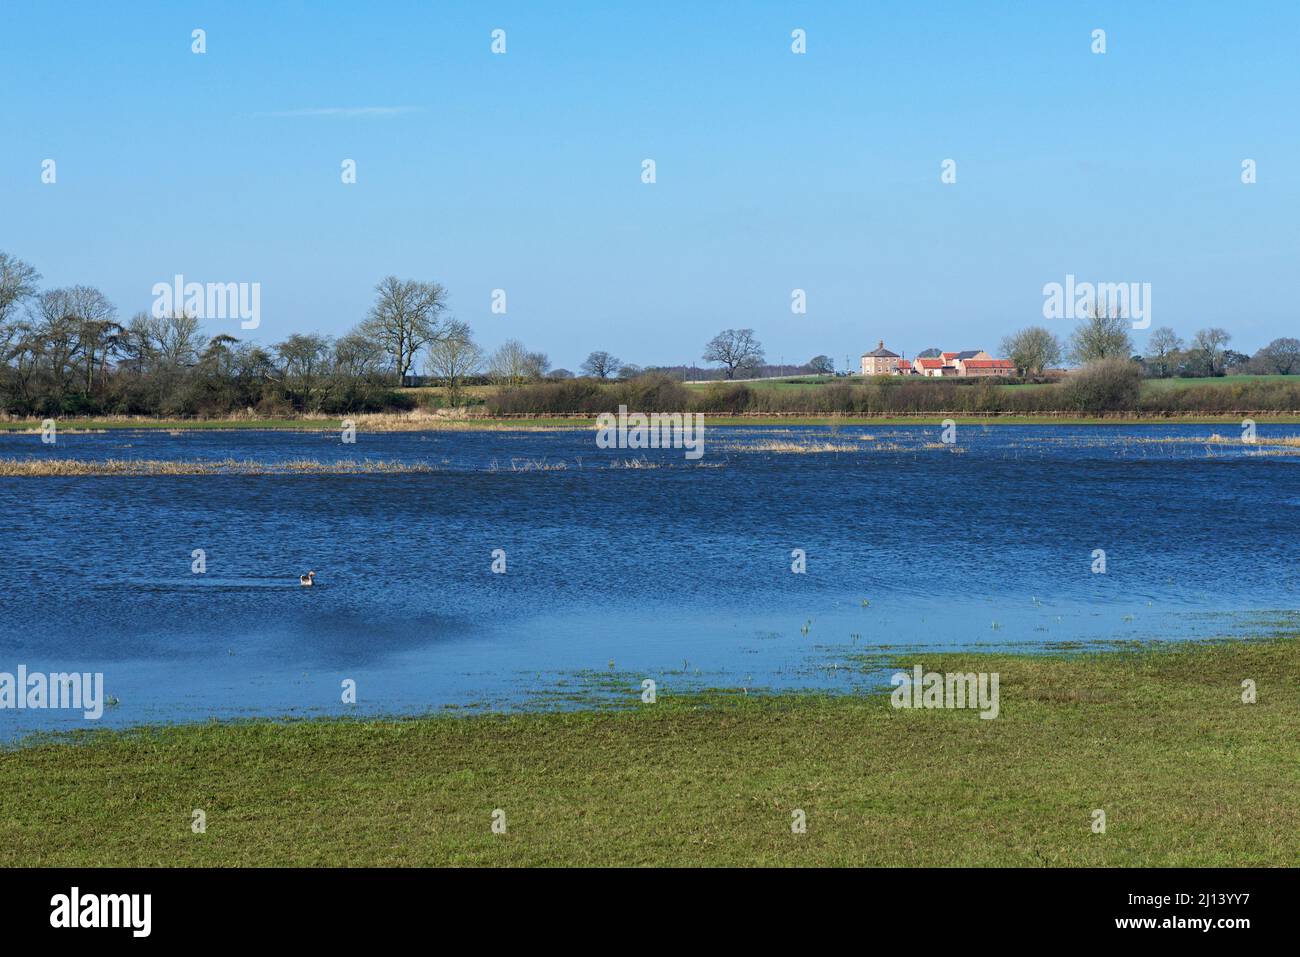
(305, 580)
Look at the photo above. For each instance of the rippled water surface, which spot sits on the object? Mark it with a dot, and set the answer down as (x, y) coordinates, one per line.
(621, 565)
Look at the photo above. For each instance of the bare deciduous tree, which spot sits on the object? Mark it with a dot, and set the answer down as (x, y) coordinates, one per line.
(1102, 335)
(18, 283)
(172, 340)
(97, 330)
(1163, 346)
(304, 362)
(1032, 350)
(511, 364)
(1210, 344)
(736, 349)
(535, 364)
(358, 370)
(406, 317)
(55, 337)
(601, 365)
(453, 358)
(1281, 355)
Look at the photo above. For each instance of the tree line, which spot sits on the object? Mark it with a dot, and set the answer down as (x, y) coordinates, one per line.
(64, 351)
(1104, 336)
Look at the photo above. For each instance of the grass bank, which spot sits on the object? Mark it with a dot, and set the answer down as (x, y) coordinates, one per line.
(1159, 739)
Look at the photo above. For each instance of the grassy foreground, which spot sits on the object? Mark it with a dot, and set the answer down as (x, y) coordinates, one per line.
(1186, 773)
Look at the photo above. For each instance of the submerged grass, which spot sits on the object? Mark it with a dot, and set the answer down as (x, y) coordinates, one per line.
(417, 421)
(1158, 738)
(33, 467)
(1284, 441)
(864, 443)
(809, 447)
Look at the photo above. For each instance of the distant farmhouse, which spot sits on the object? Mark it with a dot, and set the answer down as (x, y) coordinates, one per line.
(880, 361)
(968, 364)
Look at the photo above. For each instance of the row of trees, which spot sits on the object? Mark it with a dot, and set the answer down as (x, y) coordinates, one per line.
(1207, 354)
(65, 351)
(1103, 337)
(737, 351)
(1099, 337)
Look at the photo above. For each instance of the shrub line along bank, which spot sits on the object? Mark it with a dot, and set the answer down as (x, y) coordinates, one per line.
(1100, 389)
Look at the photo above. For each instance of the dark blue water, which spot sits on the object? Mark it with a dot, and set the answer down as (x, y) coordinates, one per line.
(680, 572)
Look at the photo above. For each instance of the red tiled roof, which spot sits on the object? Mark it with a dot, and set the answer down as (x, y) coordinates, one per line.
(989, 364)
(930, 363)
(904, 364)
(948, 355)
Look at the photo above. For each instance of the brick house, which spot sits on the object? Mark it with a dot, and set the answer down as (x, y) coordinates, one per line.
(988, 367)
(880, 361)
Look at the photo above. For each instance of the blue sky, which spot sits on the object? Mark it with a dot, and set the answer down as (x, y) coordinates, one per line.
(775, 171)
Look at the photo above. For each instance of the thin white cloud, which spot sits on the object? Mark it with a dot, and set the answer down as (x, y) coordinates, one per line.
(346, 111)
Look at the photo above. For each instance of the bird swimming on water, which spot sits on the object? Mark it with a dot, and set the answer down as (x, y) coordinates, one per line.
(305, 580)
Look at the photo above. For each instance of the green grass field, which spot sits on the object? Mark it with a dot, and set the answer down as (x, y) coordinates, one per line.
(1159, 739)
(779, 384)
(1152, 387)
(1164, 385)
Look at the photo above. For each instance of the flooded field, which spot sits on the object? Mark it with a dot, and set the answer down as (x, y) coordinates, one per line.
(517, 569)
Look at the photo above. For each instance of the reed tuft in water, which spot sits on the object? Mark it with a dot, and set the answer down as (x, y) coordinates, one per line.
(37, 467)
